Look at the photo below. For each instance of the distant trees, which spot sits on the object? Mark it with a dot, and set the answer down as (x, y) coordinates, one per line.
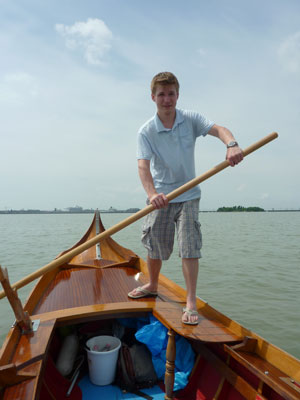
(239, 209)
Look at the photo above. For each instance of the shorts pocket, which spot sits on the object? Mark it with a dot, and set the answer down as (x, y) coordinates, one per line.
(198, 235)
(146, 238)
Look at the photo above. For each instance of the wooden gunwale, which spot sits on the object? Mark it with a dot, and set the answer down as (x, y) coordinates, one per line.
(214, 327)
(265, 371)
(28, 389)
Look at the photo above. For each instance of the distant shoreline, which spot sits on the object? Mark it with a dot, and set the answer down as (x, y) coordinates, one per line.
(128, 211)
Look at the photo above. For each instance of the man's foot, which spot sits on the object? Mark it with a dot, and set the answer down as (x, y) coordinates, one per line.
(140, 292)
(190, 317)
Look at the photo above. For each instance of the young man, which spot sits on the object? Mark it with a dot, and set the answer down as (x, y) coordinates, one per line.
(165, 155)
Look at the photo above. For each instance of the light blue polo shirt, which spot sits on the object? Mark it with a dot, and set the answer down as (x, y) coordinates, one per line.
(171, 151)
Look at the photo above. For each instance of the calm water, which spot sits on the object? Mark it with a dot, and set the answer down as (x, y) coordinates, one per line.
(249, 270)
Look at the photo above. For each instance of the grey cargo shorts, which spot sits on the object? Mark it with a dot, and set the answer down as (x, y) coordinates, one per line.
(159, 231)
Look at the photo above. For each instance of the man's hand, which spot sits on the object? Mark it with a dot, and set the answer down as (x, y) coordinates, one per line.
(159, 200)
(234, 155)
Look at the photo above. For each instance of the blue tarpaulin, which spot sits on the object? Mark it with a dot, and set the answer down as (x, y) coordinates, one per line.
(155, 336)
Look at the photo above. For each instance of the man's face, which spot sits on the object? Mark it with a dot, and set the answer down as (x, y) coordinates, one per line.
(165, 98)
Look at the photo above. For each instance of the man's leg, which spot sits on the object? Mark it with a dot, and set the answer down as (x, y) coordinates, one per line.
(190, 267)
(154, 267)
(157, 238)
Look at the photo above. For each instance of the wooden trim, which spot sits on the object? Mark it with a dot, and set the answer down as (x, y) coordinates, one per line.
(170, 365)
(265, 371)
(95, 310)
(243, 387)
(9, 375)
(22, 317)
(221, 384)
(28, 388)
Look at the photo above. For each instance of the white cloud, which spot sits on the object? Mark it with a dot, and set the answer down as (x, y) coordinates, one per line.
(92, 36)
(289, 52)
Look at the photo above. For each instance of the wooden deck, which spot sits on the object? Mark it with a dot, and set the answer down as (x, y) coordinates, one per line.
(109, 287)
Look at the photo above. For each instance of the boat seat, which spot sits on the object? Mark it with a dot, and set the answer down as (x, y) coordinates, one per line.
(266, 372)
(226, 373)
(23, 369)
(208, 329)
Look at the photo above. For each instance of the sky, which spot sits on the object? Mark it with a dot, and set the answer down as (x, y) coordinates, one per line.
(75, 88)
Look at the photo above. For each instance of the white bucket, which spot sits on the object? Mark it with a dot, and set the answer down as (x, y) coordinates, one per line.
(102, 362)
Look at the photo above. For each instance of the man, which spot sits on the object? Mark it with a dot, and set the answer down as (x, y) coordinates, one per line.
(165, 155)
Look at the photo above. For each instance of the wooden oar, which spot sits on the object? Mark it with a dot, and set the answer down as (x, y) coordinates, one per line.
(127, 221)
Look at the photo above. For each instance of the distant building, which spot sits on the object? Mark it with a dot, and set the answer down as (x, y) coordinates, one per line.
(75, 209)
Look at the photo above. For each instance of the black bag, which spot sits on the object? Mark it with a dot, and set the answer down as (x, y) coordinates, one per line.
(135, 369)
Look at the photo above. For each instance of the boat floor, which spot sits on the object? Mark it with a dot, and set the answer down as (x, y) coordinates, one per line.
(87, 291)
(93, 392)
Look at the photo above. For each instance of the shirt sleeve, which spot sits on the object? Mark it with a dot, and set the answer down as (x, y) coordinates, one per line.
(201, 124)
(144, 149)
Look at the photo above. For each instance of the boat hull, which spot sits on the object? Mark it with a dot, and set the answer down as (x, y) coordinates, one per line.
(231, 362)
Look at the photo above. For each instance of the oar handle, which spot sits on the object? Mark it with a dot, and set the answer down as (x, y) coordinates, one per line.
(134, 217)
(220, 167)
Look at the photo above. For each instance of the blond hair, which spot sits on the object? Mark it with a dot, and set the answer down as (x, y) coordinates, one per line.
(164, 78)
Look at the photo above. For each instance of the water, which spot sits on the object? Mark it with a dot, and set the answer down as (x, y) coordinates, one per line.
(249, 270)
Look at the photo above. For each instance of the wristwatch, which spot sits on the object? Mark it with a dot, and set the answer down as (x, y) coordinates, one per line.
(232, 144)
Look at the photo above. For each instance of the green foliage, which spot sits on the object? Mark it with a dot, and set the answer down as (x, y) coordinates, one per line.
(239, 209)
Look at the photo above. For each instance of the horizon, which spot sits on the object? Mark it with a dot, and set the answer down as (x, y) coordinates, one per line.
(79, 210)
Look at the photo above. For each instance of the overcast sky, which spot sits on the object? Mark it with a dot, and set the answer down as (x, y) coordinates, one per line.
(75, 88)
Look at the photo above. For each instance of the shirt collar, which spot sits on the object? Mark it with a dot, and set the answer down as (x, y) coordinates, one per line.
(159, 125)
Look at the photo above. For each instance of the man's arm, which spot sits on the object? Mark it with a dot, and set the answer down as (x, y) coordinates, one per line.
(234, 154)
(158, 200)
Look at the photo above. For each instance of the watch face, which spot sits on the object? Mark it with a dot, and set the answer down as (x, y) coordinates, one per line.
(232, 144)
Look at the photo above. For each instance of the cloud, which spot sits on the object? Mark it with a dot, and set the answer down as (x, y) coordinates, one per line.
(289, 52)
(92, 36)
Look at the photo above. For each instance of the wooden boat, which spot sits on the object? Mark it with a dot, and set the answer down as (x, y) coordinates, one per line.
(91, 289)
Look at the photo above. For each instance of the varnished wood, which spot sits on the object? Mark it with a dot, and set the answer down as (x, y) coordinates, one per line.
(9, 375)
(208, 329)
(265, 371)
(79, 249)
(248, 344)
(221, 384)
(95, 311)
(170, 365)
(77, 293)
(27, 389)
(34, 345)
(22, 318)
(77, 287)
(243, 387)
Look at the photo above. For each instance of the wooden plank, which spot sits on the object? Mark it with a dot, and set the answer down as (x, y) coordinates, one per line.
(208, 330)
(243, 387)
(34, 345)
(9, 375)
(96, 311)
(265, 371)
(22, 317)
(77, 287)
(9, 345)
(26, 390)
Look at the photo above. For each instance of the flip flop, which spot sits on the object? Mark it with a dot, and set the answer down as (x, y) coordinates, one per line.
(190, 313)
(140, 292)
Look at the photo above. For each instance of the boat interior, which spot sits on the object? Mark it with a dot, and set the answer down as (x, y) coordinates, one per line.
(88, 294)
